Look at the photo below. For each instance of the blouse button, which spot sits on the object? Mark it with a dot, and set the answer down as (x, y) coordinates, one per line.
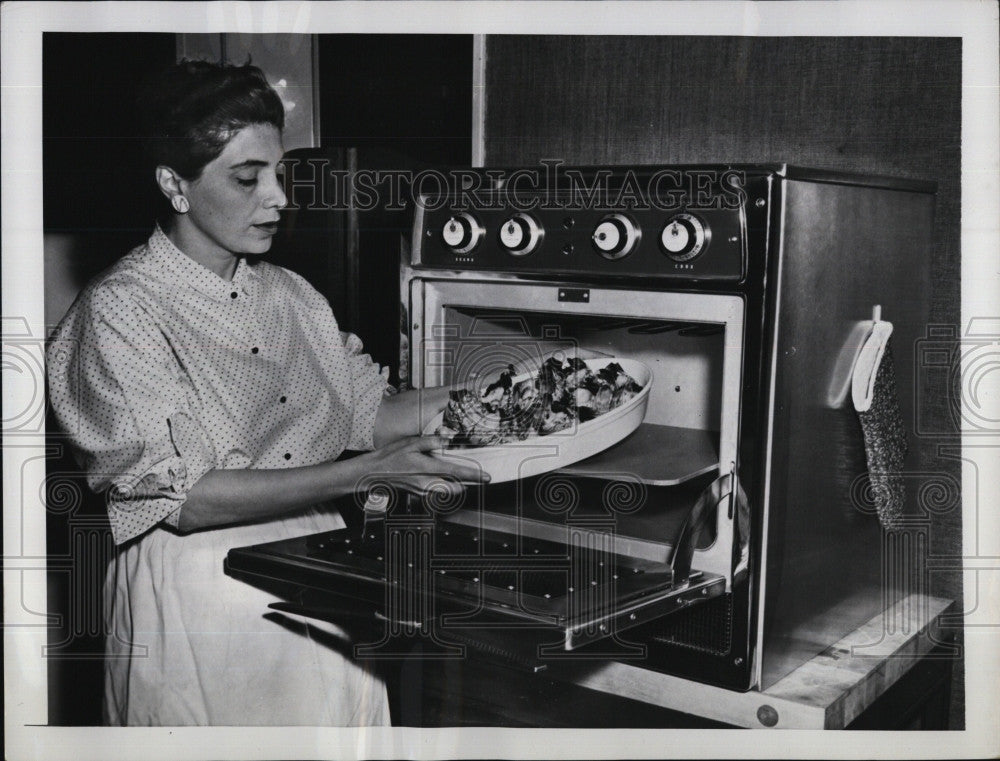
(288, 456)
(233, 295)
(283, 399)
(255, 350)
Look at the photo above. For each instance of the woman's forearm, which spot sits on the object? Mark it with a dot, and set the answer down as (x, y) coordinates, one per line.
(222, 497)
(407, 413)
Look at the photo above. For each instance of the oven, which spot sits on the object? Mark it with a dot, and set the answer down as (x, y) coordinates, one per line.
(724, 540)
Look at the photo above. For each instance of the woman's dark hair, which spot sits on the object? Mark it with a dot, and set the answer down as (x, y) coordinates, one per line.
(191, 110)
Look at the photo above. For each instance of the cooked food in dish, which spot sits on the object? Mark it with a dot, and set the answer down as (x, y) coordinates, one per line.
(563, 392)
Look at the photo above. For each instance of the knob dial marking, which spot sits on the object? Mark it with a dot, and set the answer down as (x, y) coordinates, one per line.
(684, 237)
(520, 234)
(462, 232)
(616, 236)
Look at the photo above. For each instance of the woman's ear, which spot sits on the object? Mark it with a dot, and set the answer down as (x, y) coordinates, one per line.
(168, 181)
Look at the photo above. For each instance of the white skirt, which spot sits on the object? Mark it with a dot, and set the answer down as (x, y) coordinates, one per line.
(188, 645)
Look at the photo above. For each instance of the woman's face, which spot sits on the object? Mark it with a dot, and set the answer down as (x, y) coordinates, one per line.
(235, 203)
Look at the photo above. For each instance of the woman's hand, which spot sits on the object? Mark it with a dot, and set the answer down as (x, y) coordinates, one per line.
(408, 413)
(407, 464)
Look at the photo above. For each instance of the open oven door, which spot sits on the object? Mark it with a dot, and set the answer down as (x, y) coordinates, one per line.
(450, 584)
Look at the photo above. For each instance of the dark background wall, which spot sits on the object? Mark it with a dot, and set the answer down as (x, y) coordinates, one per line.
(408, 93)
(887, 106)
(98, 203)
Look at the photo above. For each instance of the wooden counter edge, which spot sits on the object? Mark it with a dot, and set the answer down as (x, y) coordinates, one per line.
(867, 662)
(877, 655)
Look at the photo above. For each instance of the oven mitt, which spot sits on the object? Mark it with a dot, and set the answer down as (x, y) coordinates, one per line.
(873, 390)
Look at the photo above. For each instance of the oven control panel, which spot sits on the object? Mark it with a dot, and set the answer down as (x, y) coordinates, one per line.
(686, 243)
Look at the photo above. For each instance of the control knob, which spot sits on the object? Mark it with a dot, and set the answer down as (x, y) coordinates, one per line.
(520, 234)
(684, 236)
(616, 236)
(462, 232)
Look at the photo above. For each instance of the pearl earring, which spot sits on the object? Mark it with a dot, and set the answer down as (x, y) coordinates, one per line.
(180, 204)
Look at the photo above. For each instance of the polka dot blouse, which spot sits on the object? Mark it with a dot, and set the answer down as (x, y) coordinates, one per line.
(162, 370)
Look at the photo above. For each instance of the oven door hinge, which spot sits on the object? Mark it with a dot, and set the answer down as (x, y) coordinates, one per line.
(725, 487)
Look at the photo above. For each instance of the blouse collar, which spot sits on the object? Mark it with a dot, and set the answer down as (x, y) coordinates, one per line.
(198, 276)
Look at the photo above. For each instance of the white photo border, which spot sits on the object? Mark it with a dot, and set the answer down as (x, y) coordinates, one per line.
(28, 737)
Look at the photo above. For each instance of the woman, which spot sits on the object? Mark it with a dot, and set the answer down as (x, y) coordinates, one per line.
(209, 393)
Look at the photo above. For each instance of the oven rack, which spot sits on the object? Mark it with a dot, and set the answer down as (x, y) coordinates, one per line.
(599, 323)
(566, 596)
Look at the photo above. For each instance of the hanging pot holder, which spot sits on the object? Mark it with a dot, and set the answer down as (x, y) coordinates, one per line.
(874, 393)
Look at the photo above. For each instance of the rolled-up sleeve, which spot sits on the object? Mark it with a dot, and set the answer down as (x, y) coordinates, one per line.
(124, 402)
(370, 383)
